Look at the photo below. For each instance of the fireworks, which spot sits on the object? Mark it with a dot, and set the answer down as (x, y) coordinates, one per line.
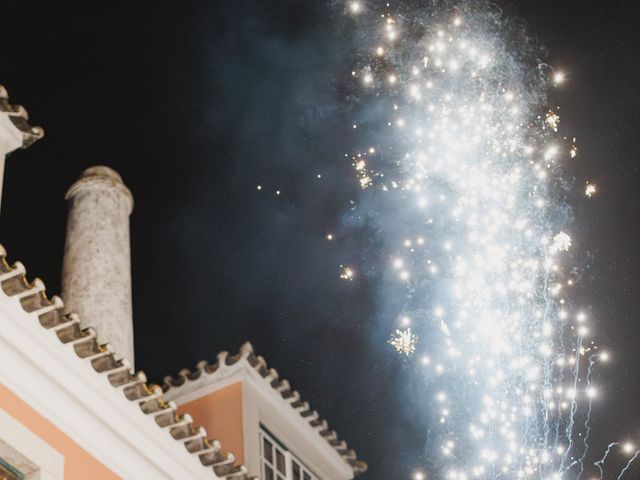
(561, 243)
(347, 273)
(404, 341)
(468, 156)
(355, 7)
(590, 189)
(573, 152)
(559, 78)
(552, 120)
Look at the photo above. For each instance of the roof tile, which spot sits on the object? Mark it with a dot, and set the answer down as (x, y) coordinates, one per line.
(87, 346)
(282, 386)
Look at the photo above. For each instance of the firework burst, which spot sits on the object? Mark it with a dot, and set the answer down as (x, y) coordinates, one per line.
(462, 169)
(404, 341)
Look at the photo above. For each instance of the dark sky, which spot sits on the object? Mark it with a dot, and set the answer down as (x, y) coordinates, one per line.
(195, 103)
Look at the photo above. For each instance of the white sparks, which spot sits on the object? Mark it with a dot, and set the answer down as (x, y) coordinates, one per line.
(552, 120)
(561, 243)
(347, 273)
(355, 7)
(404, 341)
(463, 188)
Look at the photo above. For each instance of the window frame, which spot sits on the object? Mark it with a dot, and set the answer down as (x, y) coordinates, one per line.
(7, 469)
(28, 453)
(277, 447)
(15, 466)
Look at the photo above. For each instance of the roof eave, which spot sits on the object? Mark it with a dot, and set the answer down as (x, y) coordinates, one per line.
(139, 409)
(208, 374)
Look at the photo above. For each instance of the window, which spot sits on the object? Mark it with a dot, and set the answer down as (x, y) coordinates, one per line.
(278, 463)
(7, 472)
(13, 466)
(24, 452)
(273, 459)
(299, 472)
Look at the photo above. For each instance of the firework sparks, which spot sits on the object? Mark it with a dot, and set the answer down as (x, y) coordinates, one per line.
(355, 7)
(404, 341)
(573, 153)
(561, 243)
(468, 157)
(552, 121)
(347, 273)
(590, 189)
(559, 78)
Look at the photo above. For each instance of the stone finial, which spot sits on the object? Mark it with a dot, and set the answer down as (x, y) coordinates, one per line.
(19, 119)
(15, 131)
(96, 270)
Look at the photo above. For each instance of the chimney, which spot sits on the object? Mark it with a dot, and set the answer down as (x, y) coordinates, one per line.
(96, 269)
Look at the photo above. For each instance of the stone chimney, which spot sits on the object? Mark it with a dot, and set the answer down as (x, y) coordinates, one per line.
(96, 269)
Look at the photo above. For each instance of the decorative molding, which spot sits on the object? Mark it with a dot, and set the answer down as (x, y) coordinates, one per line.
(15, 131)
(19, 118)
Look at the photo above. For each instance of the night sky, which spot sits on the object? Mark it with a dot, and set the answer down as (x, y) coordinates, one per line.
(196, 103)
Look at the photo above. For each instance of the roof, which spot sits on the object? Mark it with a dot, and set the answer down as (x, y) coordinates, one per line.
(103, 360)
(209, 373)
(20, 119)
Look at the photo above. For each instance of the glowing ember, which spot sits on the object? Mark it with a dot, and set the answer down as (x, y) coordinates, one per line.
(347, 273)
(552, 120)
(561, 243)
(404, 341)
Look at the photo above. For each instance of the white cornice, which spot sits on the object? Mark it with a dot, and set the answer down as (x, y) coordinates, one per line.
(11, 137)
(271, 409)
(47, 375)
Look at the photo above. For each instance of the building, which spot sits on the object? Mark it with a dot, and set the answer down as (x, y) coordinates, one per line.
(71, 405)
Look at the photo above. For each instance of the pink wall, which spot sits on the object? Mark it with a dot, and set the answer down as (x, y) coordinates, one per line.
(78, 464)
(220, 413)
